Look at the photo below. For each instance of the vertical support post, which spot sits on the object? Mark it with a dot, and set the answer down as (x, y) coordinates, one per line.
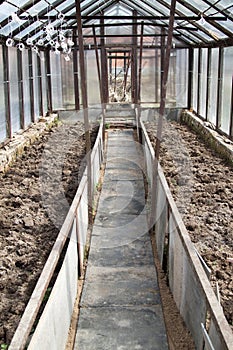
(115, 73)
(110, 68)
(209, 59)
(199, 80)
(85, 107)
(161, 113)
(104, 66)
(20, 81)
(140, 64)
(7, 92)
(220, 87)
(165, 78)
(190, 78)
(162, 59)
(99, 78)
(75, 72)
(31, 88)
(126, 74)
(40, 86)
(48, 80)
(134, 59)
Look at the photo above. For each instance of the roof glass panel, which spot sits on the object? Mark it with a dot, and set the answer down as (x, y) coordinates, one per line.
(6, 10)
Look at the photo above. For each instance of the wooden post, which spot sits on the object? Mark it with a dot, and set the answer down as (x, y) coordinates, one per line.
(75, 72)
(104, 66)
(165, 78)
(99, 78)
(154, 195)
(134, 59)
(85, 106)
(162, 59)
(140, 65)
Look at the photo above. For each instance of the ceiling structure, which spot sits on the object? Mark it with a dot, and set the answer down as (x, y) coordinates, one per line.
(198, 23)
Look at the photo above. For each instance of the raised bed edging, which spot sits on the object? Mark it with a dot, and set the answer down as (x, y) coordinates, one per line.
(188, 282)
(52, 320)
(219, 143)
(16, 146)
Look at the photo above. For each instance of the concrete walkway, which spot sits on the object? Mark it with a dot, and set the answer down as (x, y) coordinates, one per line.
(120, 305)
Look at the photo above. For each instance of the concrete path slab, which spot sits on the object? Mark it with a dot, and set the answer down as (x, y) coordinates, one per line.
(135, 328)
(120, 306)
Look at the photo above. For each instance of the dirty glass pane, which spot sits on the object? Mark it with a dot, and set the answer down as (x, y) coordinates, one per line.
(212, 103)
(14, 89)
(195, 80)
(2, 101)
(203, 83)
(181, 78)
(44, 83)
(226, 91)
(92, 78)
(26, 88)
(148, 76)
(171, 83)
(67, 83)
(55, 62)
(35, 84)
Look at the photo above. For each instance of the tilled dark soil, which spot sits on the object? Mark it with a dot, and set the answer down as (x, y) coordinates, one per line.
(202, 186)
(27, 230)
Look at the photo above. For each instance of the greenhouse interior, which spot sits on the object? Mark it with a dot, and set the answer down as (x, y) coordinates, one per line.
(116, 174)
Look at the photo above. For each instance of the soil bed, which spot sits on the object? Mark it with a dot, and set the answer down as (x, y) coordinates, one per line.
(27, 230)
(202, 186)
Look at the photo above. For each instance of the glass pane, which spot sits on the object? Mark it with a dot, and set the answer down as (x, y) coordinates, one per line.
(148, 76)
(181, 78)
(14, 89)
(3, 134)
(44, 83)
(212, 103)
(195, 79)
(26, 88)
(67, 83)
(55, 63)
(92, 78)
(35, 84)
(203, 83)
(227, 86)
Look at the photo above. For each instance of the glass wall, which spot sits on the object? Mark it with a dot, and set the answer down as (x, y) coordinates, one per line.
(213, 86)
(3, 133)
(14, 89)
(226, 89)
